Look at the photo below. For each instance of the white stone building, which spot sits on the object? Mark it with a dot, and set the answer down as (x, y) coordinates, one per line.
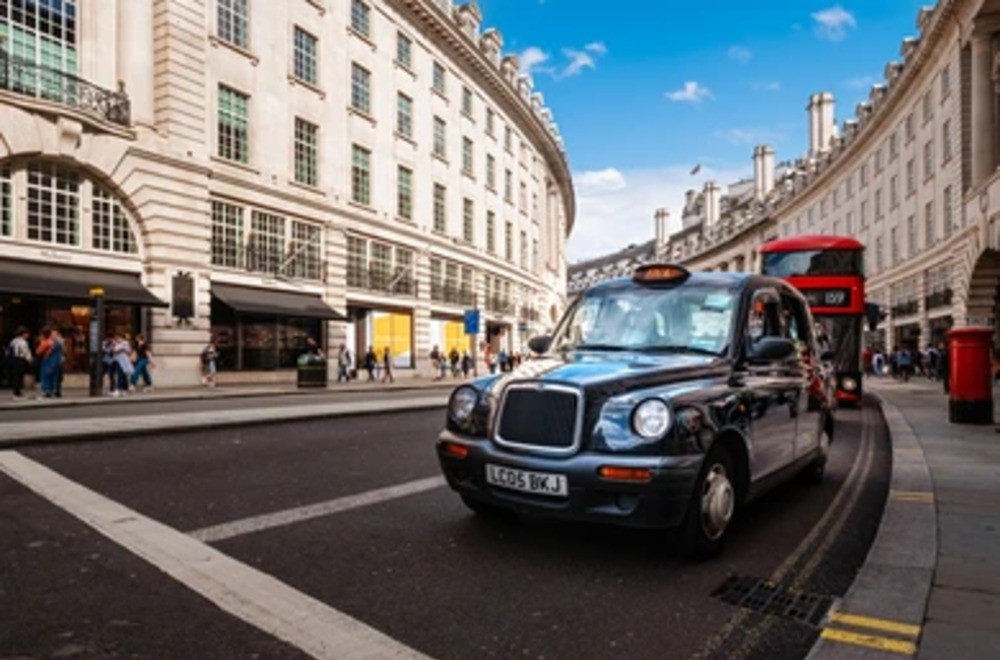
(913, 175)
(259, 172)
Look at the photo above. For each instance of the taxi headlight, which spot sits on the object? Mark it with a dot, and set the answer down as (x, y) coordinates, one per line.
(463, 402)
(651, 419)
(849, 384)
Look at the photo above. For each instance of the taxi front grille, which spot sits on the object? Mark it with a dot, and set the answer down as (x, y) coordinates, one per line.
(546, 417)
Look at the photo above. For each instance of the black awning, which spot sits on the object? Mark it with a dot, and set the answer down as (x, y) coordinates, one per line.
(251, 300)
(31, 278)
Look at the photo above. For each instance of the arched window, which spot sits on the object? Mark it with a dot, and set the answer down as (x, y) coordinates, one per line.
(43, 202)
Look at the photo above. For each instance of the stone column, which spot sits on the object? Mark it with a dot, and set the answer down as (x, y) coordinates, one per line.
(982, 101)
(135, 56)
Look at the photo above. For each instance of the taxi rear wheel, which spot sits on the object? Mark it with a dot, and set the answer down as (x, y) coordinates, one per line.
(712, 507)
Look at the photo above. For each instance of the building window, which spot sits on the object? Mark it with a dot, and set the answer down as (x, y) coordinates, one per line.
(945, 81)
(440, 208)
(404, 115)
(863, 175)
(911, 177)
(491, 172)
(522, 202)
(878, 205)
(524, 250)
(908, 127)
(467, 102)
(53, 205)
(508, 241)
(467, 158)
(893, 146)
(6, 203)
(404, 50)
(357, 262)
(948, 212)
(440, 138)
(894, 191)
(508, 186)
(864, 214)
(929, 159)
(928, 107)
(438, 80)
(305, 56)
(234, 133)
(849, 222)
(227, 235)
(361, 17)
(894, 246)
(305, 254)
(380, 266)
(468, 218)
(361, 191)
(111, 230)
(879, 265)
(490, 122)
(361, 80)
(850, 187)
(535, 263)
(929, 224)
(946, 145)
(491, 239)
(306, 157)
(878, 162)
(266, 244)
(404, 193)
(911, 236)
(508, 139)
(231, 21)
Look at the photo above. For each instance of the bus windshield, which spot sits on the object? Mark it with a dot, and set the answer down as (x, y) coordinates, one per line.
(813, 262)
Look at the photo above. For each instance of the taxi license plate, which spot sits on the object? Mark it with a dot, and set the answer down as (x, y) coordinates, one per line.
(538, 483)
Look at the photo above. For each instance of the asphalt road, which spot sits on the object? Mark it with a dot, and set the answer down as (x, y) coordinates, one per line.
(419, 568)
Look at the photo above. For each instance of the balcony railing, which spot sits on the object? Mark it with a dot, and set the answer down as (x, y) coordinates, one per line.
(381, 281)
(453, 295)
(939, 299)
(30, 79)
(905, 309)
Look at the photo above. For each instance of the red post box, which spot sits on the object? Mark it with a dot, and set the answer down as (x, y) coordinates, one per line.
(970, 374)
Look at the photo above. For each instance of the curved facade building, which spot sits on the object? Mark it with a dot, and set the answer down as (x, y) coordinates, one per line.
(913, 175)
(355, 171)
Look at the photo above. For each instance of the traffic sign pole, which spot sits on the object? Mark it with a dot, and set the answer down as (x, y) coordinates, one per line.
(96, 334)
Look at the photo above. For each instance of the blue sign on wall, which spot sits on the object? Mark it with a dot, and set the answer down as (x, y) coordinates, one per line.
(472, 321)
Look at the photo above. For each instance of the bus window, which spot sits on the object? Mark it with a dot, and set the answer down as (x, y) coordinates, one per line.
(813, 262)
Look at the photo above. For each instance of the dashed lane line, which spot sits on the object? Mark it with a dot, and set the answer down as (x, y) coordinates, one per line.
(251, 595)
(310, 511)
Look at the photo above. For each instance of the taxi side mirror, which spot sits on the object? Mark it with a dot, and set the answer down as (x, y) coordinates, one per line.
(539, 344)
(771, 349)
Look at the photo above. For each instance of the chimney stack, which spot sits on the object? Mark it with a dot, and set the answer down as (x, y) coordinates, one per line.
(712, 203)
(822, 123)
(661, 218)
(767, 169)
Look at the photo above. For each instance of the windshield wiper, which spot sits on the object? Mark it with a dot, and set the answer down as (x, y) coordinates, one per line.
(679, 349)
(596, 347)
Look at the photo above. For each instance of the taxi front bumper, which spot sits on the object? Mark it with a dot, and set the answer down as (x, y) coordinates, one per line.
(657, 503)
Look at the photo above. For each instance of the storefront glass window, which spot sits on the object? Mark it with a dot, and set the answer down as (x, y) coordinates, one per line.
(395, 331)
(260, 343)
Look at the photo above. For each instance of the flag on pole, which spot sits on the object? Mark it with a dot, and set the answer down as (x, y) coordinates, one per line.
(697, 168)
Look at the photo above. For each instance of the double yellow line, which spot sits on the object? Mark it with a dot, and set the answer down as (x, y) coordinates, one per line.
(918, 496)
(903, 640)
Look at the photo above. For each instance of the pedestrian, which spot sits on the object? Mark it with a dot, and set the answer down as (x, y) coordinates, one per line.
(19, 359)
(109, 366)
(370, 361)
(905, 360)
(942, 366)
(878, 363)
(343, 364)
(50, 353)
(436, 363)
(466, 364)
(502, 360)
(209, 364)
(387, 365)
(933, 357)
(490, 358)
(124, 359)
(453, 359)
(143, 363)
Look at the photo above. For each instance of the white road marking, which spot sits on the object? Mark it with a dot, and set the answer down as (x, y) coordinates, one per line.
(244, 592)
(309, 511)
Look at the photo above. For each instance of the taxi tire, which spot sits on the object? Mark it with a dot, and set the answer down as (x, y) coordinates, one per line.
(693, 541)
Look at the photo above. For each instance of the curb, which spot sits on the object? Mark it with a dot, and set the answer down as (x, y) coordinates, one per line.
(882, 613)
(20, 434)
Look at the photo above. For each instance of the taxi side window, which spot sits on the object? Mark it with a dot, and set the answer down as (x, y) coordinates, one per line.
(766, 318)
(796, 321)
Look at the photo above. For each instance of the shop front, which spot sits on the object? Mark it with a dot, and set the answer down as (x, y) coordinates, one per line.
(908, 336)
(939, 328)
(379, 329)
(448, 333)
(265, 330)
(35, 295)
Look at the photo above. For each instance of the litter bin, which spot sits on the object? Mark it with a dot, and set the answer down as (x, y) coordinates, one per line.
(970, 371)
(311, 371)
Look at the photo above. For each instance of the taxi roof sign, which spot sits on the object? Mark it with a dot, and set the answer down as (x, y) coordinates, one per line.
(653, 273)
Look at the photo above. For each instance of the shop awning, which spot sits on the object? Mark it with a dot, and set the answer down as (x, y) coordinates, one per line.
(251, 300)
(31, 278)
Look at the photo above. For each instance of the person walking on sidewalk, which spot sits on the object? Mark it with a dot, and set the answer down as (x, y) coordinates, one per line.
(436, 363)
(19, 360)
(123, 358)
(370, 360)
(50, 352)
(343, 364)
(466, 364)
(143, 363)
(905, 360)
(387, 365)
(209, 364)
(942, 366)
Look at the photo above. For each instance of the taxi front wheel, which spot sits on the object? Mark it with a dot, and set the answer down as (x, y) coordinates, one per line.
(712, 506)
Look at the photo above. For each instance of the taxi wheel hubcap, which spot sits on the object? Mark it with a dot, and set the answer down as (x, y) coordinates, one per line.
(717, 502)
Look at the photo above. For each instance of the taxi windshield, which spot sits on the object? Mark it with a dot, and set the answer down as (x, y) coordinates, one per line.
(685, 319)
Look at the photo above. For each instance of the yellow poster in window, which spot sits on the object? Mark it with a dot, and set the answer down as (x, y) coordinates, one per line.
(396, 332)
(455, 337)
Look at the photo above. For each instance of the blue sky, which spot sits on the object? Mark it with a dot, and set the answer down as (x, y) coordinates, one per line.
(644, 91)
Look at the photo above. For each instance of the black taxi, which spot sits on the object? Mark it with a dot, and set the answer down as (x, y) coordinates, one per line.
(663, 400)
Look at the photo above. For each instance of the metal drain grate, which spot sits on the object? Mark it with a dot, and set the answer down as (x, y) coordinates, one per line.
(762, 596)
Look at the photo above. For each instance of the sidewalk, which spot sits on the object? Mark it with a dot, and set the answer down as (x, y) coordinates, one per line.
(933, 574)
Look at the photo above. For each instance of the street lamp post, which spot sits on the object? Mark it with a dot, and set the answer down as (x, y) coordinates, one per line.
(96, 333)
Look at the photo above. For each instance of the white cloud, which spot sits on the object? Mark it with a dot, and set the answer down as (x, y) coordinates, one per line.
(531, 59)
(692, 92)
(859, 82)
(615, 208)
(740, 54)
(578, 61)
(833, 24)
(596, 47)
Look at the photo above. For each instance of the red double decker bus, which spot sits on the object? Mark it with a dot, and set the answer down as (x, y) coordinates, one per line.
(829, 271)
